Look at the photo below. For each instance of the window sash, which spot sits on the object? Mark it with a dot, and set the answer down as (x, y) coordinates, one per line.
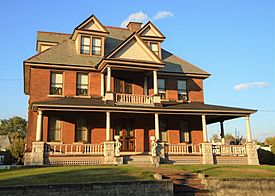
(82, 84)
(85, 45)
(81, 130)
(182, 90)
(96, 46)
(161, 88)
(56, 84)
(184, 131)
(54, 129)
(155, 48)
(163, 130)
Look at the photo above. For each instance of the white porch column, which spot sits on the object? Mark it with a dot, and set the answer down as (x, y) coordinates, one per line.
(39, 126)
(102, 85)
(108, 79)
(108, 126)
(145, 88)
(155, 78)
(222, 132)
(204, 129)
(157, 126)
(248, 130)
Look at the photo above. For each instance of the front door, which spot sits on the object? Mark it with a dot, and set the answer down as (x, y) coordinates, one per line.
(124, 128)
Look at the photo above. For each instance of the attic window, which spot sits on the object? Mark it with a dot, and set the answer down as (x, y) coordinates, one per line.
(155, 48)
(85, 45)
(96, 50)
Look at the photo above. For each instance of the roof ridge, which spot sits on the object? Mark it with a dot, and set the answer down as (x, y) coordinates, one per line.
(53, 32)
(113, 27)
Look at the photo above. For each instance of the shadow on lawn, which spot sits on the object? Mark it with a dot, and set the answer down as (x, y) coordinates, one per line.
(72, 176)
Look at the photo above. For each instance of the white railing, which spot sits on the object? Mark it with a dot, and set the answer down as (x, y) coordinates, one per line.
(134, 99)
(75, 149)
(178, 149)
(229, 150)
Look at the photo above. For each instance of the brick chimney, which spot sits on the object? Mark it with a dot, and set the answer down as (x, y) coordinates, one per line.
(134, 26)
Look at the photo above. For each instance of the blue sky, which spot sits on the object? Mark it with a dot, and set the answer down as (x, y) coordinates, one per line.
(231, 39)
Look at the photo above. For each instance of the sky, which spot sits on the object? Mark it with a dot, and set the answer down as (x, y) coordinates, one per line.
(231, 39)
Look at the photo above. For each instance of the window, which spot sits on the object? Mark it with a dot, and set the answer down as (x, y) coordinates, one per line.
(161, 88)
(184, 131)
(155, 48)
(163, 130)
(123, 86)
(54, 129)
(81, 130)
(56, 83)
(182, 90)
(96, 50)
(85, 45)
(82, 84)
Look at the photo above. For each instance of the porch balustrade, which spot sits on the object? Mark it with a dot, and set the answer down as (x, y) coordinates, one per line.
(234, 150)
(75, 149)
(178, 149)
(133, 99)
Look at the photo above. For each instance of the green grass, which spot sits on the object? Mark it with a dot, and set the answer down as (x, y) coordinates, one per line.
(229, 171)
(71, 174)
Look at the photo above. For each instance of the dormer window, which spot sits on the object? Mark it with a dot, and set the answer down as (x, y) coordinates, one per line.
(96, 50)
(90, 45)
(85, 45)
(154, 47)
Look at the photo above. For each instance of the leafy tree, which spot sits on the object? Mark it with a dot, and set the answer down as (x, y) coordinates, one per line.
(17, 147)
(271, 141)
(14, 124)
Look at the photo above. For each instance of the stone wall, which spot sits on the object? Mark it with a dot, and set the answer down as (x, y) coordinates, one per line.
(243, 186)
(133, 188)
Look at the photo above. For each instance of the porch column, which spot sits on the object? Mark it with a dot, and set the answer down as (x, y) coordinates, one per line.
(39, 126)
(155, 78)
(145, 88)
(222, 132)
(102, 85)
(248, 130)
(108, 127)
(204, 129)
(157, 126)
(108, 79)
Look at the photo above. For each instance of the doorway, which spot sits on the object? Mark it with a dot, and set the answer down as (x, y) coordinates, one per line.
(124, 128)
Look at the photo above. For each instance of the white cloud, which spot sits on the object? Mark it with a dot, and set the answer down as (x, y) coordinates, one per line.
(163, 14)
(249, 85)
(135, 17)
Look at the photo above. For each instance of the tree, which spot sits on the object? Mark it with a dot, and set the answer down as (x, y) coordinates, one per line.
(271, 141)
(17, 147)
(14, 124)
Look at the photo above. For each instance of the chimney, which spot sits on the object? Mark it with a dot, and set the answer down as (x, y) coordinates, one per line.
(134, 26)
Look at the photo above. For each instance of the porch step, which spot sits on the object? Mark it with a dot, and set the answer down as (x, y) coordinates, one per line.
(137, 160)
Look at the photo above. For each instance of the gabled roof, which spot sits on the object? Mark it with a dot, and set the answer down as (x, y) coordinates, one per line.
(43, 36)
(92, 23)
(133, 48)
(150, 30)
(65, 53)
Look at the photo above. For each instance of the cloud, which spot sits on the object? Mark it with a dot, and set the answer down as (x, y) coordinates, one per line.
(163, 14)
(135, 17)
(249, 85)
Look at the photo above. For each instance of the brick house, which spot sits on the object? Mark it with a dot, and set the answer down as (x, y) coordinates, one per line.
(99, 82)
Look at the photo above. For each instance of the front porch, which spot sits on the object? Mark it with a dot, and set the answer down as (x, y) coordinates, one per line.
(158, 137)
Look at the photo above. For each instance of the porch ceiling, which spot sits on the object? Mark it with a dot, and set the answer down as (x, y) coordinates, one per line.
(213, 113)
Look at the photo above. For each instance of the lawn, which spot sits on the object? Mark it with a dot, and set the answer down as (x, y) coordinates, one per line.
(228, 171)
(71, 174)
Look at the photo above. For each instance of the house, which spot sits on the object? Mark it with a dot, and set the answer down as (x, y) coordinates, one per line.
(110, 95)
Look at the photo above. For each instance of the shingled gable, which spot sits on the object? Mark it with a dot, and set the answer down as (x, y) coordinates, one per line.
(150, 31)
(133, 48)
(90, 25)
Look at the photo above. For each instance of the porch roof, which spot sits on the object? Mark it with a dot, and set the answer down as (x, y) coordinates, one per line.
(215, 113)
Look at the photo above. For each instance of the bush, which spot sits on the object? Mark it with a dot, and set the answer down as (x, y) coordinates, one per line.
(266, 157)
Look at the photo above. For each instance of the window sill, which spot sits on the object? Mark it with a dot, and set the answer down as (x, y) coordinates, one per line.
(56, 96)
(80, 142)
(55, 143)
(181, 101)
(82, 96)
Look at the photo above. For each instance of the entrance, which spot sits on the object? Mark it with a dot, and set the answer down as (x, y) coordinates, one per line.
(124, 128)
